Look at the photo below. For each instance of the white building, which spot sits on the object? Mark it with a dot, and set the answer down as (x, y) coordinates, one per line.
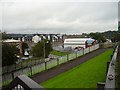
(77, 42)
(36, 39)
(48, 37)
(11, 41)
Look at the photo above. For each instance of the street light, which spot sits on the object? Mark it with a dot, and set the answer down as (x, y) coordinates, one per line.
(44, 47)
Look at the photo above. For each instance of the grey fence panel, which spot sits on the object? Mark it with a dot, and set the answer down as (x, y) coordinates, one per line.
(35, 69)
(33, 62)
(4, 69)
(6, 78)
(61, 60)
(64, 58)
(18, 66)
(24, 64)
(86, 50)
(19, 72)
(72, 56)
(37, 61)
(96, 46)
(51, 63)
(92, 48)
(48, 64)
(38, 68)
(25, 71)
(11, 68)
(29, 63)
(80, 53)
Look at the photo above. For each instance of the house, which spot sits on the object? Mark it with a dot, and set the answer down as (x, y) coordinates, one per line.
(78, 42)
(27, 38)
(54, 38)
(36, 39)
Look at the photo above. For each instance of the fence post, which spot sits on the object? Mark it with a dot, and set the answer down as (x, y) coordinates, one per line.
(89, 49)
(83, 51)
(94, 47)
(45, 65)
(76, 54)
(31, 70)
(57, 61)
(12, 75)
(67, 57)
(15, 66)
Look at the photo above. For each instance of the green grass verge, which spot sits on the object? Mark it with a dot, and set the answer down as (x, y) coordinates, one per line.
(85, 75)
(58, 53)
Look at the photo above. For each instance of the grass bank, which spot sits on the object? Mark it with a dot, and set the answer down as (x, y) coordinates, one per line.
(85, 75)
(58, 53)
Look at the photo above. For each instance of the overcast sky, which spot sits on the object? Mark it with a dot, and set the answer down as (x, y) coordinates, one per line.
(37, 16)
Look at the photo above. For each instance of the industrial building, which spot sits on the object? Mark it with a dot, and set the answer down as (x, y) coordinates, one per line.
(79, 42)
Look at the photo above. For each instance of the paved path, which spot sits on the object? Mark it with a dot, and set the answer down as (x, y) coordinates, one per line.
(110, 79)
(45, 75)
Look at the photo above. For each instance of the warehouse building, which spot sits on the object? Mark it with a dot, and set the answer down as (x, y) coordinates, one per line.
(78, 42)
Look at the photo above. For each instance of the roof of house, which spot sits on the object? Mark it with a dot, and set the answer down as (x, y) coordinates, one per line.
(11, 40)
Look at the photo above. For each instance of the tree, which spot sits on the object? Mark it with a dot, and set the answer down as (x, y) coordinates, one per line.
(4, 36)
(48, 47)
(38, 49)
(9, 54)
(113, 35)
(98, 36)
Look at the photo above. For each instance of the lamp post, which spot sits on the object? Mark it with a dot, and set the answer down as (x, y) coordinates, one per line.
(44, 47)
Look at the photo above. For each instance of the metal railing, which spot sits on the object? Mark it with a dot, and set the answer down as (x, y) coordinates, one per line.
(23, 82)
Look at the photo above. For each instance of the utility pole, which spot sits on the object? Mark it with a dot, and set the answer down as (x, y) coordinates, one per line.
(44, 47)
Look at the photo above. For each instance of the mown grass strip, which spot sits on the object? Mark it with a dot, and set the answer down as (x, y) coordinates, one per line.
(85, 75)
(58, 53)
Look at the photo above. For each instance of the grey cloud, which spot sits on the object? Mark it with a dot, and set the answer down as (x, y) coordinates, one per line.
(62, 17)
